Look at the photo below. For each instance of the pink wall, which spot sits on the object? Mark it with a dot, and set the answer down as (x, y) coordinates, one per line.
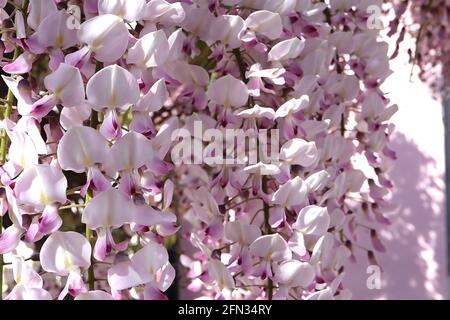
(415, 264)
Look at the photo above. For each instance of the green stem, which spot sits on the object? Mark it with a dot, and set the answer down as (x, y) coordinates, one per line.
(72, 206)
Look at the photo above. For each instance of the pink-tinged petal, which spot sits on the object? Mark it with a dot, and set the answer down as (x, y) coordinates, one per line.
(103, 245)
(271, 248)
(22, 151)
(258, 112)
(228, 91)
(41, 185)
(34, 46)
(286, 50)
(149, 51)
(121, 246)
(168, 193)
(317, 181)
(377, 192)
(300, 152)
(21, 65)
(164, 12)
(288, 128)
(254, 87)
(74, 285)
(22, 92)
(176, 41)
(262, 169)
(277, 217)
(132, 151)
(266, 23)
(197, 21)
(142, 123)
(293, 273)
(94, 295)
(128, 183)
(380, 217)
(64, 252)
(38, 11)
(123, 276)
(152, 293)
(106, 35)
(148, 216)
(130, 11)
(43, 106)
(241, 232)
(22, 292)
(79, 58)
(160, 167)
(292, 193)
(25, 274)
(274, 74)
(245, 261)
(167, 229)
(154, 99)
(56, 58)
(32, 127)
(110, 208)
(281, 294)
(90, 8)
(227, 29)
(312, 220)
(54, 32)
(66, 85)
(187, 74)
(74, 117)
(149, 260)
(110, 127)
(82, 148)
(214, 230)
(33, 234)
(297, 245)
(9, 239)
(50, 220)
(323, 248)
(166, 277)
(19, 23)
(376, 241)
(112, 87)
(4, 206)
(8, 172)
(221, 275)
(292, 106)
(96, 181)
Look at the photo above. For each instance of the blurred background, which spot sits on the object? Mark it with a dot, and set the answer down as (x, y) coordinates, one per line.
(415, 264)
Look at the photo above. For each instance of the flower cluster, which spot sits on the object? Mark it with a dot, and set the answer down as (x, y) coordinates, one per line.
(428, 22)
(94, 193)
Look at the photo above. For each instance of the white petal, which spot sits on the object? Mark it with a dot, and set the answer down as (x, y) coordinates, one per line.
(112, 87)
(63, 252)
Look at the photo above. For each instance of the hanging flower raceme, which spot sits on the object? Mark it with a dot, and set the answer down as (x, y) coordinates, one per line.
(274, 101)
